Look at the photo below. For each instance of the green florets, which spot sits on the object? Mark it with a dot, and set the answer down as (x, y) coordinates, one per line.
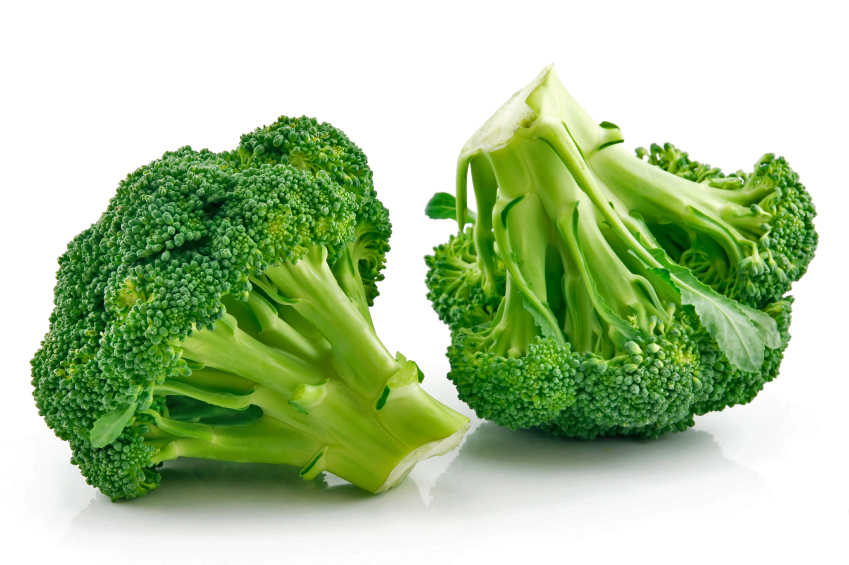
(276, 212)
(122, 469)
(65, 369)
(780, 227)
(517, 393)
(790, 244)
(320, 149)
(455, 284)
(649, 391)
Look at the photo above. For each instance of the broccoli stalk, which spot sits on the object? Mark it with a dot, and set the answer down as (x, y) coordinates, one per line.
(338, 402)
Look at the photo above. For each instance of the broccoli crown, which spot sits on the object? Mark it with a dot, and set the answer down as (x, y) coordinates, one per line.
(574, 300)
(166, 341)
(313, 147)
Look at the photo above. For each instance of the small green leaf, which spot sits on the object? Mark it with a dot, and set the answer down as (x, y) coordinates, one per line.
(765, 324)
(507, 208)
(724, 319)
(109, 426)
(608, 125)
(541, 319)
(609, 143)
(443, 206)
(384, 396)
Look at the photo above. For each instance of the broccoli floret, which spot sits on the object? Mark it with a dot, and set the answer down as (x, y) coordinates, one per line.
(573, 304)
(310, 146)
(216, 310)
(749, 236)
(456, 284)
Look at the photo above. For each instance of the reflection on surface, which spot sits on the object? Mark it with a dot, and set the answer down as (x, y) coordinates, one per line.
(521, 470)
(531, 480)
(200, 492)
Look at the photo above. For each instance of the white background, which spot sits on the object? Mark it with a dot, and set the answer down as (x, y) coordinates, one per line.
(90, 92)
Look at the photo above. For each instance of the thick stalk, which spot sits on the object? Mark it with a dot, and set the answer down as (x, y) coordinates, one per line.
(355, 411)
(514, 329)
(318, 298)
(326, 427)
(265, 441)
(661, 197)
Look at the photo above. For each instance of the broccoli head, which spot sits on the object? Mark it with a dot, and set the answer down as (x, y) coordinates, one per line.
(219, 309)
(601, 294)
(313, 147)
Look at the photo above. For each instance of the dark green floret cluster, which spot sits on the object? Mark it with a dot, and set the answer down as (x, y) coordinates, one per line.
(322, 148)
(219, 309)
(597, 293)
(456, 283)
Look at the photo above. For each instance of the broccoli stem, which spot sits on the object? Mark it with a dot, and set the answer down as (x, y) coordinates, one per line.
(315, 295)
(348, 276)
(486, 193)
(730, 219)
(539, 207)
(265, 441)
(344, 405)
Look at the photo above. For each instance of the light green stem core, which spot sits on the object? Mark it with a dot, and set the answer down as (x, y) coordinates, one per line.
(344, 405)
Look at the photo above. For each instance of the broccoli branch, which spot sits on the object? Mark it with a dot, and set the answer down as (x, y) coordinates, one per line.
(345, 406)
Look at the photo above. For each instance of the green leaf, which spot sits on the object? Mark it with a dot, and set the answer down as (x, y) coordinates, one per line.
(724, 319)
(507, 208)
(108, 427)
(765, 324)
(443, 206)
(541, 319)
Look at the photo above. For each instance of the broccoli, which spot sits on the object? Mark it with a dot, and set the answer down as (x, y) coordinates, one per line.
(599, 293)
(219, 309)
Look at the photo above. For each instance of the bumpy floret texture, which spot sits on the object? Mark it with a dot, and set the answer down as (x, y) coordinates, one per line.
(648, 392)
(656, 387)
(455, 284)
(515, 392)
(315, 147)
